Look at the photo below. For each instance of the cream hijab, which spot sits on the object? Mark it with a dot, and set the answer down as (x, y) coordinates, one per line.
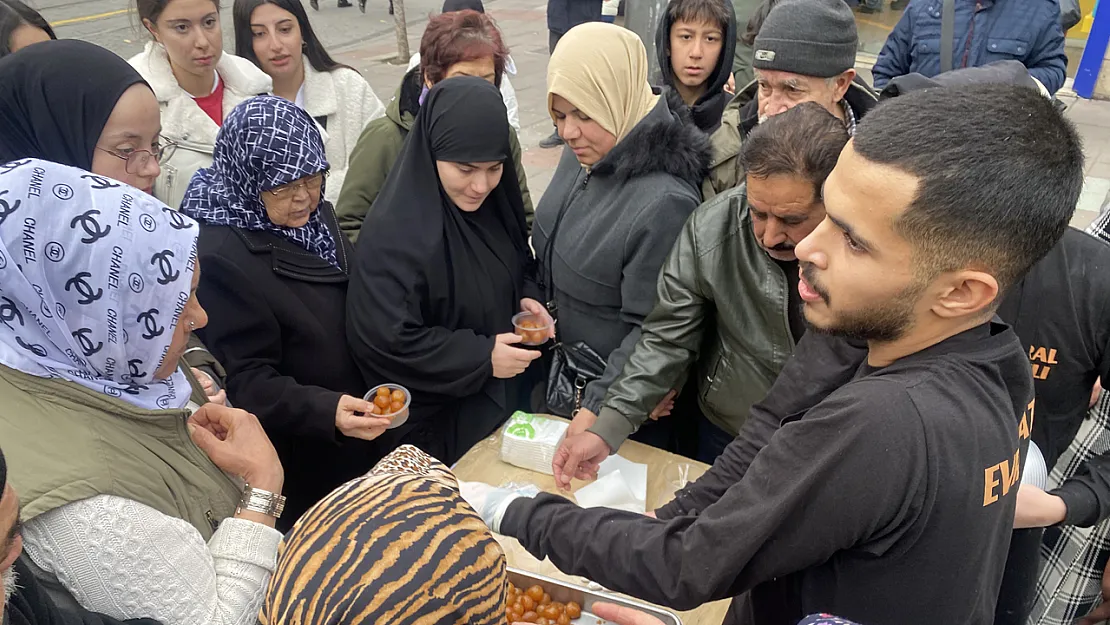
(602, 70)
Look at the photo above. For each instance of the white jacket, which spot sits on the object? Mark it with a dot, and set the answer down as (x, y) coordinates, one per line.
(346, 101)
(183, 121)
(508, 94)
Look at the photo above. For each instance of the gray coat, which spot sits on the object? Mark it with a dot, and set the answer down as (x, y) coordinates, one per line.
(622, 218)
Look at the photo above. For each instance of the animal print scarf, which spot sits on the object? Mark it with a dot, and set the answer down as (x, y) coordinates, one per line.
(398, 546)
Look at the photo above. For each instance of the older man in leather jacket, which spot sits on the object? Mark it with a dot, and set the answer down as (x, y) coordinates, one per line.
(728, 310)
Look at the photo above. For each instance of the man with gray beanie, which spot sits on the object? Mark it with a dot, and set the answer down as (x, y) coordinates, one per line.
(805, 51)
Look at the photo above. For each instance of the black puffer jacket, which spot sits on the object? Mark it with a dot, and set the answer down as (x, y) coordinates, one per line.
(622, 218)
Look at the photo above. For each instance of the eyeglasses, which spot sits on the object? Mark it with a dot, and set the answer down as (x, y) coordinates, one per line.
(138, 159)
(311, 183)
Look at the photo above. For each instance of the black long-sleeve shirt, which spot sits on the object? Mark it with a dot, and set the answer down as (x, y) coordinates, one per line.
(888, 499)
(30, 605)
(1061, 313)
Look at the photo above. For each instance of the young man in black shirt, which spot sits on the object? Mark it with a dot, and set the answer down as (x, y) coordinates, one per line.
(1060, 311)
(883, 494)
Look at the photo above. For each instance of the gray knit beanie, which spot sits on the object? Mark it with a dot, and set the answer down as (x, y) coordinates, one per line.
(807, 37)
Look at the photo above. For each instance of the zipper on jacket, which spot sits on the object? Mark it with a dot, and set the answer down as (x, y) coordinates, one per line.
(786, 302)
(574, 192)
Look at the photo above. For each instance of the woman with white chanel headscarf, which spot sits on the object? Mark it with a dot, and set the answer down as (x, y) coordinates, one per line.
(125, 496)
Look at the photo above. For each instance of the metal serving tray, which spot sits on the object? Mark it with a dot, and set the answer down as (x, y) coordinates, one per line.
(564, 592)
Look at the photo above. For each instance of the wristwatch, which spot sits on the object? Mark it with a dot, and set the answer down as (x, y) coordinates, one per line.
(261, 501)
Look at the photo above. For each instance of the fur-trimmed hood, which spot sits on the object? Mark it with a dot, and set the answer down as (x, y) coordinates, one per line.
(665, 141)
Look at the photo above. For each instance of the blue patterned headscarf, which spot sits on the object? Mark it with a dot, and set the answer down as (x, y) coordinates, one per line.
(265, 142)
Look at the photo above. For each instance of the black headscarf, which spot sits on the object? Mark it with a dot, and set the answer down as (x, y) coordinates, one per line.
(450, 6)
(433, 284)
(55, 98)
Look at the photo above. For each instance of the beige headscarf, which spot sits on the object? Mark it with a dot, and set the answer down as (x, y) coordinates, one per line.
(602, 69)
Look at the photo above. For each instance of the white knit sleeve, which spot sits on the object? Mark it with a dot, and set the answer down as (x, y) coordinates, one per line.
(127, 560)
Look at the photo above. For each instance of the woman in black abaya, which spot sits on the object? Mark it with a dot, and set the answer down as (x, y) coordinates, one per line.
(442, 263)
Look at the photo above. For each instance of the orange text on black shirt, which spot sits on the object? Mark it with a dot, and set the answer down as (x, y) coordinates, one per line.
(1000, 478)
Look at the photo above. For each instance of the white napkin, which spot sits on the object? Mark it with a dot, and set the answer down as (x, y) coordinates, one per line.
(530, 441)
(621, 484)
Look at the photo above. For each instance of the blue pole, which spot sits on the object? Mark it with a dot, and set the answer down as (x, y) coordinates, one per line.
(1093, 54)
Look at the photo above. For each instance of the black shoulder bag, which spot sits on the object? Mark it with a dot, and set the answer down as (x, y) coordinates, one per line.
(573, 365)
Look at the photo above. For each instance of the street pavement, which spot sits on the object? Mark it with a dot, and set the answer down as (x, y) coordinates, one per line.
(113, 24)
(367, 41)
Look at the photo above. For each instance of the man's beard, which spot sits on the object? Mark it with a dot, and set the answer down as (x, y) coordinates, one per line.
(881, 323)
(11, 581)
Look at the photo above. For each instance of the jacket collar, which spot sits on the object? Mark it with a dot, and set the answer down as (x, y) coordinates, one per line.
(405, 104)
(292, 261)
(57, 389)
(239, 75)
(319, 91)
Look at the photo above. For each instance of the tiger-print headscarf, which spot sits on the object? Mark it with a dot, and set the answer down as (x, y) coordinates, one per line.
(398, 546)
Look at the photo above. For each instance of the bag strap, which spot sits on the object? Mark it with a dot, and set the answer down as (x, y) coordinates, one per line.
(947, 34)
(549, 254)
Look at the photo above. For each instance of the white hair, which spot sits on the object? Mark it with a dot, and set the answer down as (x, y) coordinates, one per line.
(11, 584)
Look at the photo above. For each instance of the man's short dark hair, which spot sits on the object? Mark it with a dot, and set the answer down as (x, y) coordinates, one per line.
(712, 11)
(803, 141)
(999, 174)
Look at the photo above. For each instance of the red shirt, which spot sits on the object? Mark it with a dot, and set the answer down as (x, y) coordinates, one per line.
(213, 103)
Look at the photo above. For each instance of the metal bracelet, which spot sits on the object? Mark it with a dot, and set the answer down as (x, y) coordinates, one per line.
(261, 501)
